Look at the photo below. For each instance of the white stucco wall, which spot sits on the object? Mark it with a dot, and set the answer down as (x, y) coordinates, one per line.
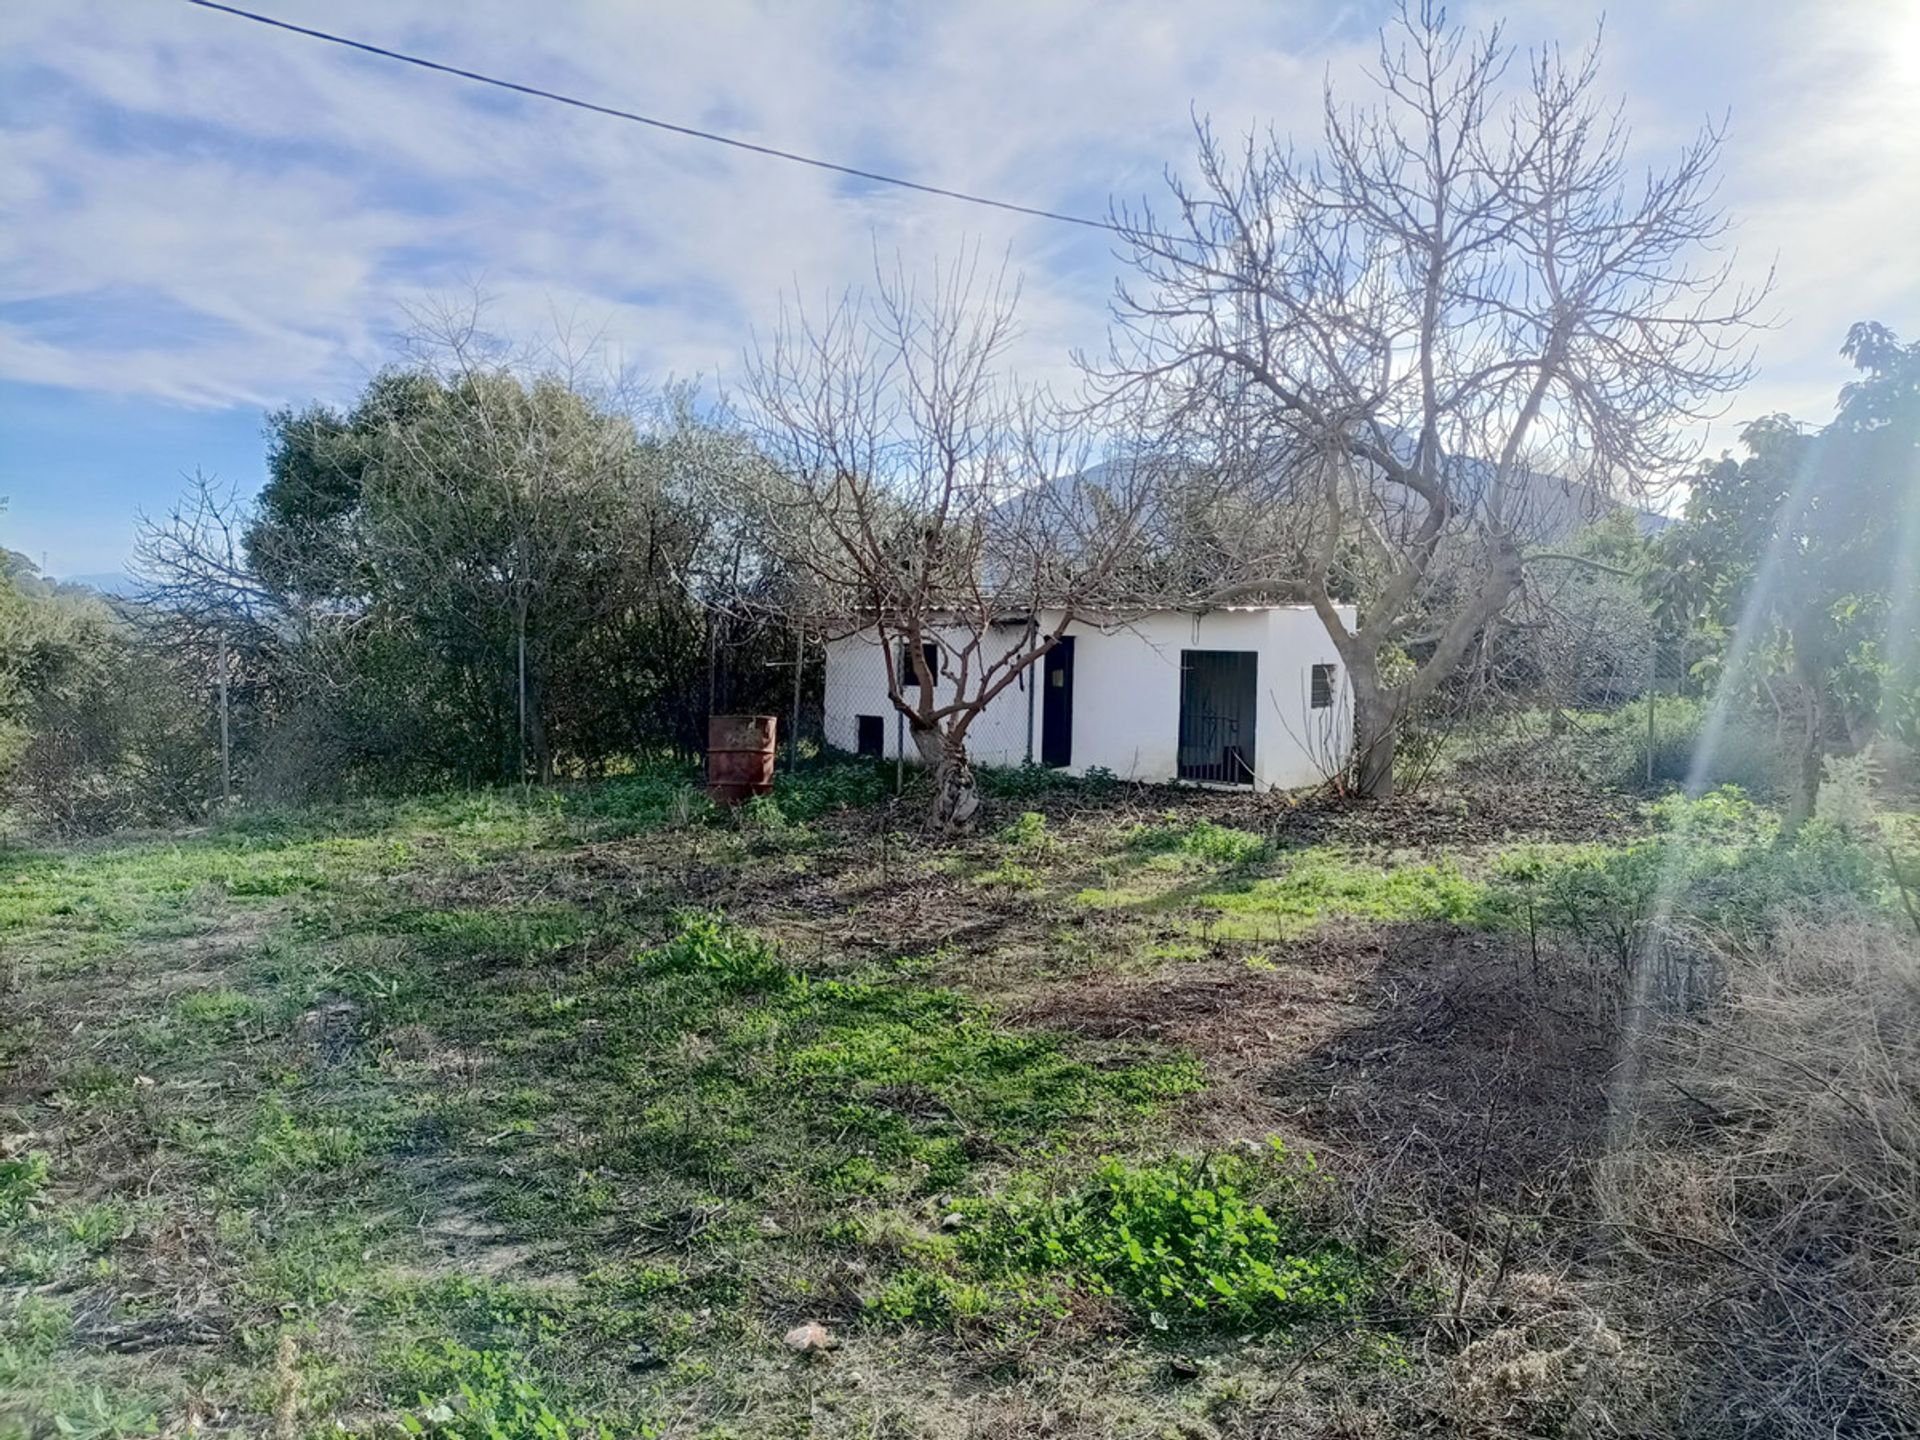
(1126, 703)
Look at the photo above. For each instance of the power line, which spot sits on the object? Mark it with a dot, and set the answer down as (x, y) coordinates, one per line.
(732, 141)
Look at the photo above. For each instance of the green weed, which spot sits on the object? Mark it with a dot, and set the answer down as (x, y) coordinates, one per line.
(22, 1180)
(1199, 840)
(1213, 1242)
(492, 1397)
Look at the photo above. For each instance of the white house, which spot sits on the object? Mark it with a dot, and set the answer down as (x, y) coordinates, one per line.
(1241, 695)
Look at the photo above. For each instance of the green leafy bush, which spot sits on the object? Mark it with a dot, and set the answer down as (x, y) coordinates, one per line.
(1215, 1241)
(1718, 861)
(763, 813)
(1747, 754)
(840, 785)
(1028, 833)
(1027, 782)
(730, 958)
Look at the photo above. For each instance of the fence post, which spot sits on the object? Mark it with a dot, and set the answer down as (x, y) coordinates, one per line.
(1031, 686)
(793, 730)
(1653, 685)
(226, 744)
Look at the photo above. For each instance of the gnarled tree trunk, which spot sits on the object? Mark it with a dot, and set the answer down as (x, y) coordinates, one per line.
(956, 794)
(1375, 734)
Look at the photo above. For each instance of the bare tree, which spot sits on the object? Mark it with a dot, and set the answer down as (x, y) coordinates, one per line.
(921, 497)
(202, 604)
(1407, 355)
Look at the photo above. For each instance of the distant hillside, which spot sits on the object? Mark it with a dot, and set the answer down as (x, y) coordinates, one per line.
(107, 582)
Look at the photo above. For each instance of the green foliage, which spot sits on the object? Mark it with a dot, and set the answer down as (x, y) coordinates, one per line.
(1027, 841)
(1316, 887)
(724, 956)
(1748, 754)
(218, 1009)
(763, 813)
(1218, 1242)
(1202, 840)
(1307, 887)
(865, 1088)
(1032, 781)
(1718, 861)
(1028, 834)
(491, 1397)
(22, 1179)
(844, 784)
(1016, 1084)
(99, 726)
(1801, 541)
(475, 572)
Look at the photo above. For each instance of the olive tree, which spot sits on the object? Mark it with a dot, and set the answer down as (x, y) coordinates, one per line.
(1410, 349)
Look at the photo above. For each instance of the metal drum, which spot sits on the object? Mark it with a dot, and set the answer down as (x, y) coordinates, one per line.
(740, 755)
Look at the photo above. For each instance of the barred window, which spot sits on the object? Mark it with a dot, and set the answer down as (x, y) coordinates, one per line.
(1322, 686)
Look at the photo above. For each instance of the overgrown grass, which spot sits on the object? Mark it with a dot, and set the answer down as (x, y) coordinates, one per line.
(467, 1114)
(1717, 862)
(1199, 841)
(687, 1126)
(1308, 890)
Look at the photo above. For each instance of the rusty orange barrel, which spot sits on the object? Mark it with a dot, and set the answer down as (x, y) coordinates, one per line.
(740, 754)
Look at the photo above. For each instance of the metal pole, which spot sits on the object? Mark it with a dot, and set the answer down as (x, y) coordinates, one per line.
(899, 752)
(226, 742)
(1653, 681)
(793, 730)
(1032, 679)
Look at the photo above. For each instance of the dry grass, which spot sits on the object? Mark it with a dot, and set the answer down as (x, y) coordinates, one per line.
(1764, 1197)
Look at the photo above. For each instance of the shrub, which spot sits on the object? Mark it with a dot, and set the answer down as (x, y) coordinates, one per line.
(1718, 863)
(1747, 754)
(1846, 793)
(1028, 834)
(763, 813)
(1212, 1241)
(849, 784)
(1030, 781)
(726, 956)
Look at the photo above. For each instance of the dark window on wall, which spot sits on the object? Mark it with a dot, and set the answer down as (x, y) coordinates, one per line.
(870, 736)
(1322, 689)
(909, 677)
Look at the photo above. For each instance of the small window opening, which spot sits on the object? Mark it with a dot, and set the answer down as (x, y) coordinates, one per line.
(1322, 686)
(909, 677)
(870, 736)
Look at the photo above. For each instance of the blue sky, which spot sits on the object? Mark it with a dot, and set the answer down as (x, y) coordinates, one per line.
(201, 219)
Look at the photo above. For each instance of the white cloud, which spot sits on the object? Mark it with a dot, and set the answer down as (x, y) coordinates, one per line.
(272, 204)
